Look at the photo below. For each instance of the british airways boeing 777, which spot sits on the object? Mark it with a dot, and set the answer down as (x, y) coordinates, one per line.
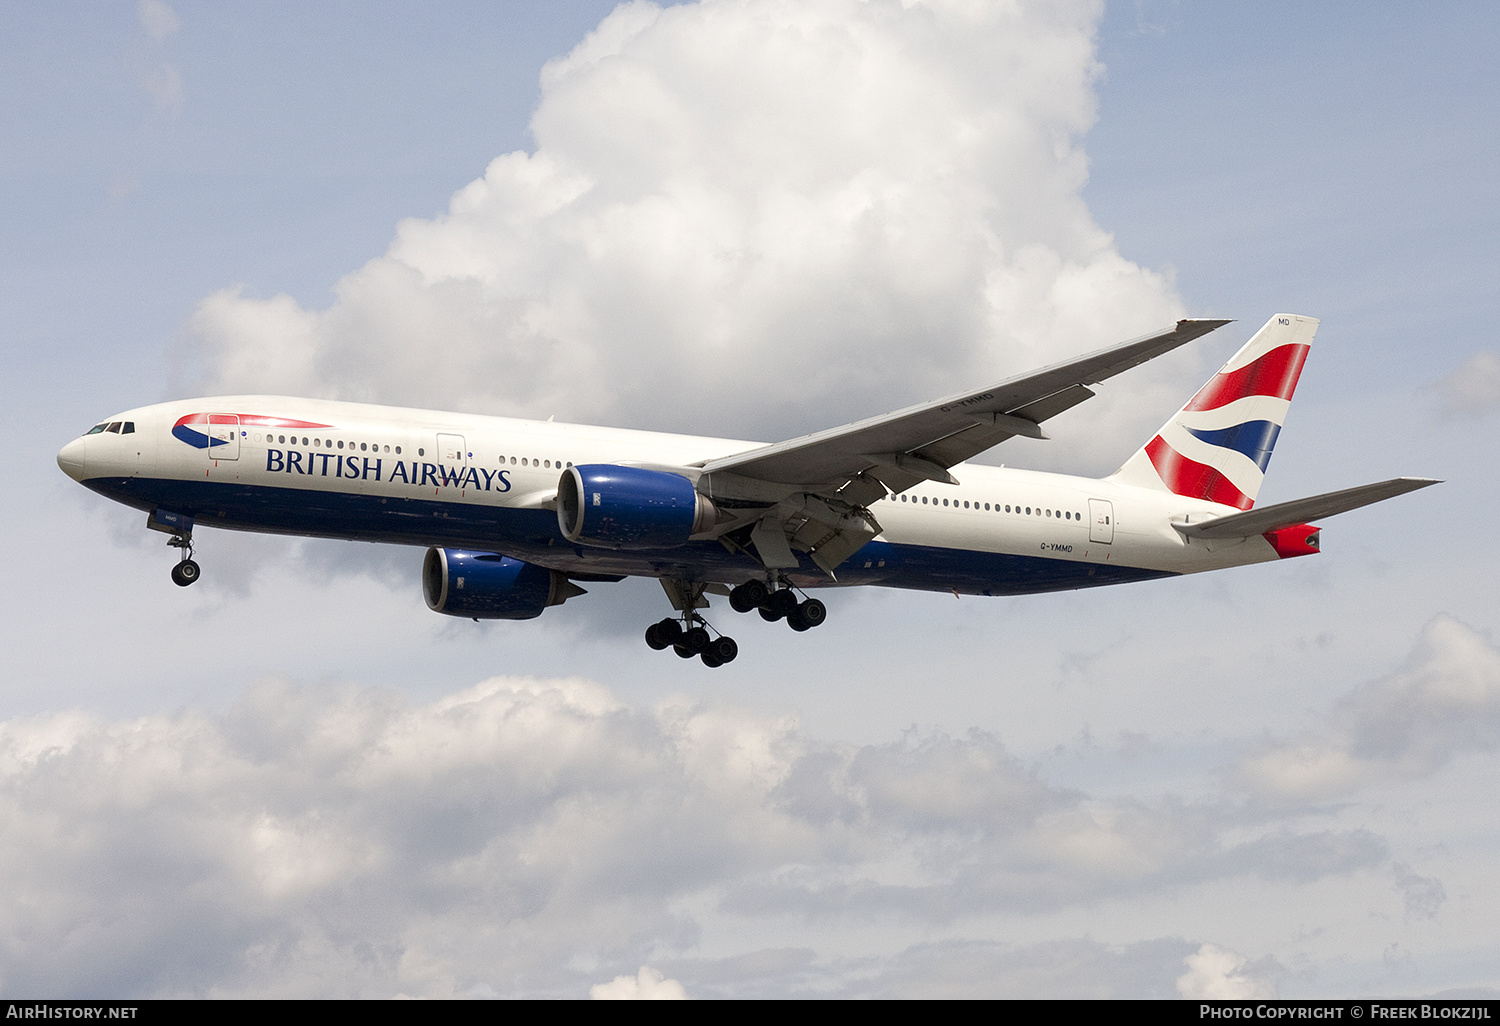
(516, 512)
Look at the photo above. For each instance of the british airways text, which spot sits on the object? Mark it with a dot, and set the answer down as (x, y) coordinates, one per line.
(362, 468)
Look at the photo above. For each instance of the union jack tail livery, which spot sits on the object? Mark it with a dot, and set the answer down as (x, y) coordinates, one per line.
(1217, 447)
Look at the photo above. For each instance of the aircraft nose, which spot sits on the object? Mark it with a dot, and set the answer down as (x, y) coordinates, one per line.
(70, 459)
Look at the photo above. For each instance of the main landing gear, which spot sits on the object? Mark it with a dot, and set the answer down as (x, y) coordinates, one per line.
(692, 640)
(689, 636)
(780, 604)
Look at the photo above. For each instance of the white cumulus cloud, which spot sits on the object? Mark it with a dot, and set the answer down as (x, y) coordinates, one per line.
(646, 985)
(157, 18)
(163, 83)
(335, 842)
(160, 80)
(1218, 974)
(1445, 701)
(743, 217)
(1474, 387)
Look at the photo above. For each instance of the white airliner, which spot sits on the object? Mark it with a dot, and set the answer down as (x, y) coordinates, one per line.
(516, 511)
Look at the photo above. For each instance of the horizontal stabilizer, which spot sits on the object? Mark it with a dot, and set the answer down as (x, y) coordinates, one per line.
(1300, 511)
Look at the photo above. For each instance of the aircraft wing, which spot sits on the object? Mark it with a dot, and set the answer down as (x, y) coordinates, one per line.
(1300, 511)
(861, 461)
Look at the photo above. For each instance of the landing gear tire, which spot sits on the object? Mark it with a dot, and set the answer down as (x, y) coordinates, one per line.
(695, 639)
(747, 596)
(812, 612)
(779, 604)
(807, 615)
(185, 573)
(723, 649)
(663, 634)
(720, 651)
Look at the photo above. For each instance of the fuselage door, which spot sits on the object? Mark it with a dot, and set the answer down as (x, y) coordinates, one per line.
(1101, 521)
(451, 452)
(223, 436)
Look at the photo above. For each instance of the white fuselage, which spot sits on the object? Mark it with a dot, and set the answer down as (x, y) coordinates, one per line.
(422, 477)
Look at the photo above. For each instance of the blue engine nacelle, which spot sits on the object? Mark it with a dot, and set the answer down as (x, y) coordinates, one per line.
(629, 507)
(489, 586)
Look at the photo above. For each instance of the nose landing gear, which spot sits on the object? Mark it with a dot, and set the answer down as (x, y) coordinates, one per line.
(185, 573)
(180, 527)
(187, 570)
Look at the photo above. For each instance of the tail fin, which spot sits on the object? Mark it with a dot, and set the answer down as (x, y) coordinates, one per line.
(1218, 445)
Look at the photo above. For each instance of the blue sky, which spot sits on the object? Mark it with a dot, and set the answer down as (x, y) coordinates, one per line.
(1337, 161)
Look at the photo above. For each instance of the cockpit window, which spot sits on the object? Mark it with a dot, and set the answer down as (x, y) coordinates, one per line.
(96, 429)
(114, 427)
(129, 428)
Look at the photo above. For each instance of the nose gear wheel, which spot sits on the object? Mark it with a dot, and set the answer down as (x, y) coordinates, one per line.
(187, 570)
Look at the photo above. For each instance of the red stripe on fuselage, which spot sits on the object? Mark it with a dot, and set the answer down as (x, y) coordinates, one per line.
(256, 420)
(249, 420)
(1193, 479)
(1273, 374)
